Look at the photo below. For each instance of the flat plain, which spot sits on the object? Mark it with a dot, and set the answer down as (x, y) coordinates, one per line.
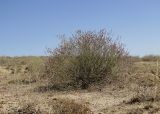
(140, 94)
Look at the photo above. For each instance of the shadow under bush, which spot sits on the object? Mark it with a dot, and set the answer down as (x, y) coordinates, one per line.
(23, 81)
(55, 87)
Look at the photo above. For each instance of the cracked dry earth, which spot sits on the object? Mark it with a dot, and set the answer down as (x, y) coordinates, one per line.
(13, 95)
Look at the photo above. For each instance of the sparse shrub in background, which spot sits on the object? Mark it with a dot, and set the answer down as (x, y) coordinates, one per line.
(24, 69)
(18, 64)
(135, 58)
(4, 60)
(84, 59)
(150, 58)
(35, 67)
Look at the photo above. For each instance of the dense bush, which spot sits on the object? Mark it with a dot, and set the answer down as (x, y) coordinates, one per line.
(84, 59)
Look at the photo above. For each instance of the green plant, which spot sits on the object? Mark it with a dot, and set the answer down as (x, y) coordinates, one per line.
(84, 59)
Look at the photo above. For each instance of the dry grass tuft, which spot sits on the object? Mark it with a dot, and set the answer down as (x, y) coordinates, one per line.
(145, 94)
(65, 106)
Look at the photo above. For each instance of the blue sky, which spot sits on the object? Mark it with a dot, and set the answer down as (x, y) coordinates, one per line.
(28, 27)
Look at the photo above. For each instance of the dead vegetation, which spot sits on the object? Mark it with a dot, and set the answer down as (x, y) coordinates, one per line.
(55, 106)
(64, 106)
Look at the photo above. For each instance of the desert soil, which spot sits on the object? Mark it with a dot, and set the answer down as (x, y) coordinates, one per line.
(100, 102)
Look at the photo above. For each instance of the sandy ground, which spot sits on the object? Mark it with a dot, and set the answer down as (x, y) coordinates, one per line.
(11, 95)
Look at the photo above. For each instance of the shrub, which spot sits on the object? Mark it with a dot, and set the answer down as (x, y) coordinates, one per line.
(84, 59)
(150, 58)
